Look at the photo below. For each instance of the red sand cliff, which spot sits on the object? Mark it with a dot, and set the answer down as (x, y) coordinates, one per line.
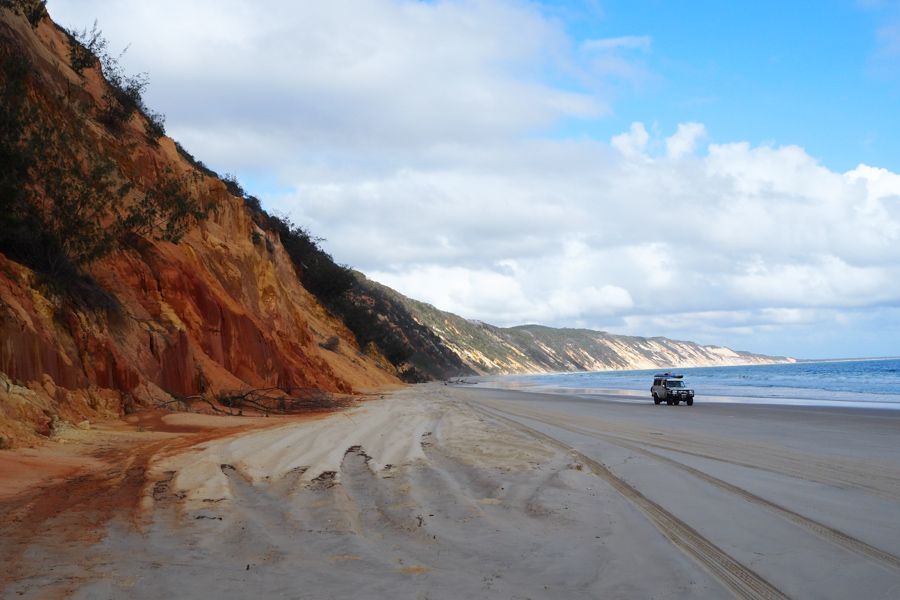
(214, 312)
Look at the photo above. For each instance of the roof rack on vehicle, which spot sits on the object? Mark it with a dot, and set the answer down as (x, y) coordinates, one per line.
(669, 375)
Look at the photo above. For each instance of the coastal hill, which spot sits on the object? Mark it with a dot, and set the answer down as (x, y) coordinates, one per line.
(488, 349)
(132, 275)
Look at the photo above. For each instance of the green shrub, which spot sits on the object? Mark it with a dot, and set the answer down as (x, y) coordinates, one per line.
(316, 269)
(121, 101)
(253, 203)
(33, 10)
(362, 315)
(65, 204)
(233, 185)
(165, 212)
(85, 48)
(197, 164)
(156, 125)
(336, 287)
(124, 95)
(80, 57)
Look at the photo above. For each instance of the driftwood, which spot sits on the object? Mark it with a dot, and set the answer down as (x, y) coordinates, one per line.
(185, 403)
(273, 400)
(282, 400)
(459, 381)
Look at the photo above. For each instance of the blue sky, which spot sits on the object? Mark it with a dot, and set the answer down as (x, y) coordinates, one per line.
(814, 74)
(724, 172)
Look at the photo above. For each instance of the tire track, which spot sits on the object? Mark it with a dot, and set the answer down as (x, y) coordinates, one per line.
(739, 579)
(829, 476)
(825, 532)
(829, 473)
(821, 530)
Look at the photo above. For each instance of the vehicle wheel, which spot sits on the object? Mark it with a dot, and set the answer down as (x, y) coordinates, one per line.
(668, 402)
(689, 401)
(656, 399)
(677, 402)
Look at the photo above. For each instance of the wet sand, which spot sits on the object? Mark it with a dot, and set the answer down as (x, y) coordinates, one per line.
(450, 492)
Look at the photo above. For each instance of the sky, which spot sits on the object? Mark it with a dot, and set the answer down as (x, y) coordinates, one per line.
(723, 172)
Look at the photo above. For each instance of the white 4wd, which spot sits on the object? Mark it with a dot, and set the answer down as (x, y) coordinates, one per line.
(671, 389)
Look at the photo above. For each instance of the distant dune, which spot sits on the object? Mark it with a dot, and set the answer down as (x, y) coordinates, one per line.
(488, 349)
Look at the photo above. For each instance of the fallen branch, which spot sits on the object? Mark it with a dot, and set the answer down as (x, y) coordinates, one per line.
(270, 400)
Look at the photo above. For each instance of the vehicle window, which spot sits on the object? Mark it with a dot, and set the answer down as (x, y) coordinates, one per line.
(675, 384)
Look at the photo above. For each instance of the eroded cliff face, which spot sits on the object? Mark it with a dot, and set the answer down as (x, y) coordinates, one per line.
(222, 310)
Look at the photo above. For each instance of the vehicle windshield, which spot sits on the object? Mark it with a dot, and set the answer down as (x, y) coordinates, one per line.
(675, 383)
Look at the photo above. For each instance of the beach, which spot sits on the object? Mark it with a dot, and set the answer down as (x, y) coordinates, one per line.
(440, 491)
(449, 300)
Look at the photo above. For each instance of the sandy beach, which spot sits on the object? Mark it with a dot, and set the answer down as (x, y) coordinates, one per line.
(408, 300)
(437, 491)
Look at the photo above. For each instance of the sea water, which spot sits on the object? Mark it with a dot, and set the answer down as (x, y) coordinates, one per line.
(861, 383)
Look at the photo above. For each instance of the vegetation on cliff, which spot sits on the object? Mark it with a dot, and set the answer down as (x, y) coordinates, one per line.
(124, 94)
(375, 318)
(66, 203)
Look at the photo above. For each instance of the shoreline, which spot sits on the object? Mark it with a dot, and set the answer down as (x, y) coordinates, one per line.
(782, 385)
(629, 396)
(732, 408)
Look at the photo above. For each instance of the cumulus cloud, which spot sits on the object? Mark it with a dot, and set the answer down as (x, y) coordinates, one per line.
(685, 139)
(405, 134)
(379, 75)
(633, 142)
(730, 244)
(501, 297)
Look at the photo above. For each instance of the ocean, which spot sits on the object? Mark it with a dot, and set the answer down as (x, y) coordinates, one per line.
(873, 383)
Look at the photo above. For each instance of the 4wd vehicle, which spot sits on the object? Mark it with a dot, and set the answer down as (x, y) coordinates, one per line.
(671, 389)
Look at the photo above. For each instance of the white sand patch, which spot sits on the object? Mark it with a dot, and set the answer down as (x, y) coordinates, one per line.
(389, 431)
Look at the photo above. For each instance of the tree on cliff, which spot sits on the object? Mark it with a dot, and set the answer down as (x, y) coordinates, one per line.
(65, 204)
(371, 316)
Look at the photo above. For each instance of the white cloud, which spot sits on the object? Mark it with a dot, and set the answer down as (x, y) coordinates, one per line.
(381, 75)
(881, 183)
(499, 297)
(616, 58)
(633, 143)
(588, 301)
(735, 240)
(817, 282)
(685, 139)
